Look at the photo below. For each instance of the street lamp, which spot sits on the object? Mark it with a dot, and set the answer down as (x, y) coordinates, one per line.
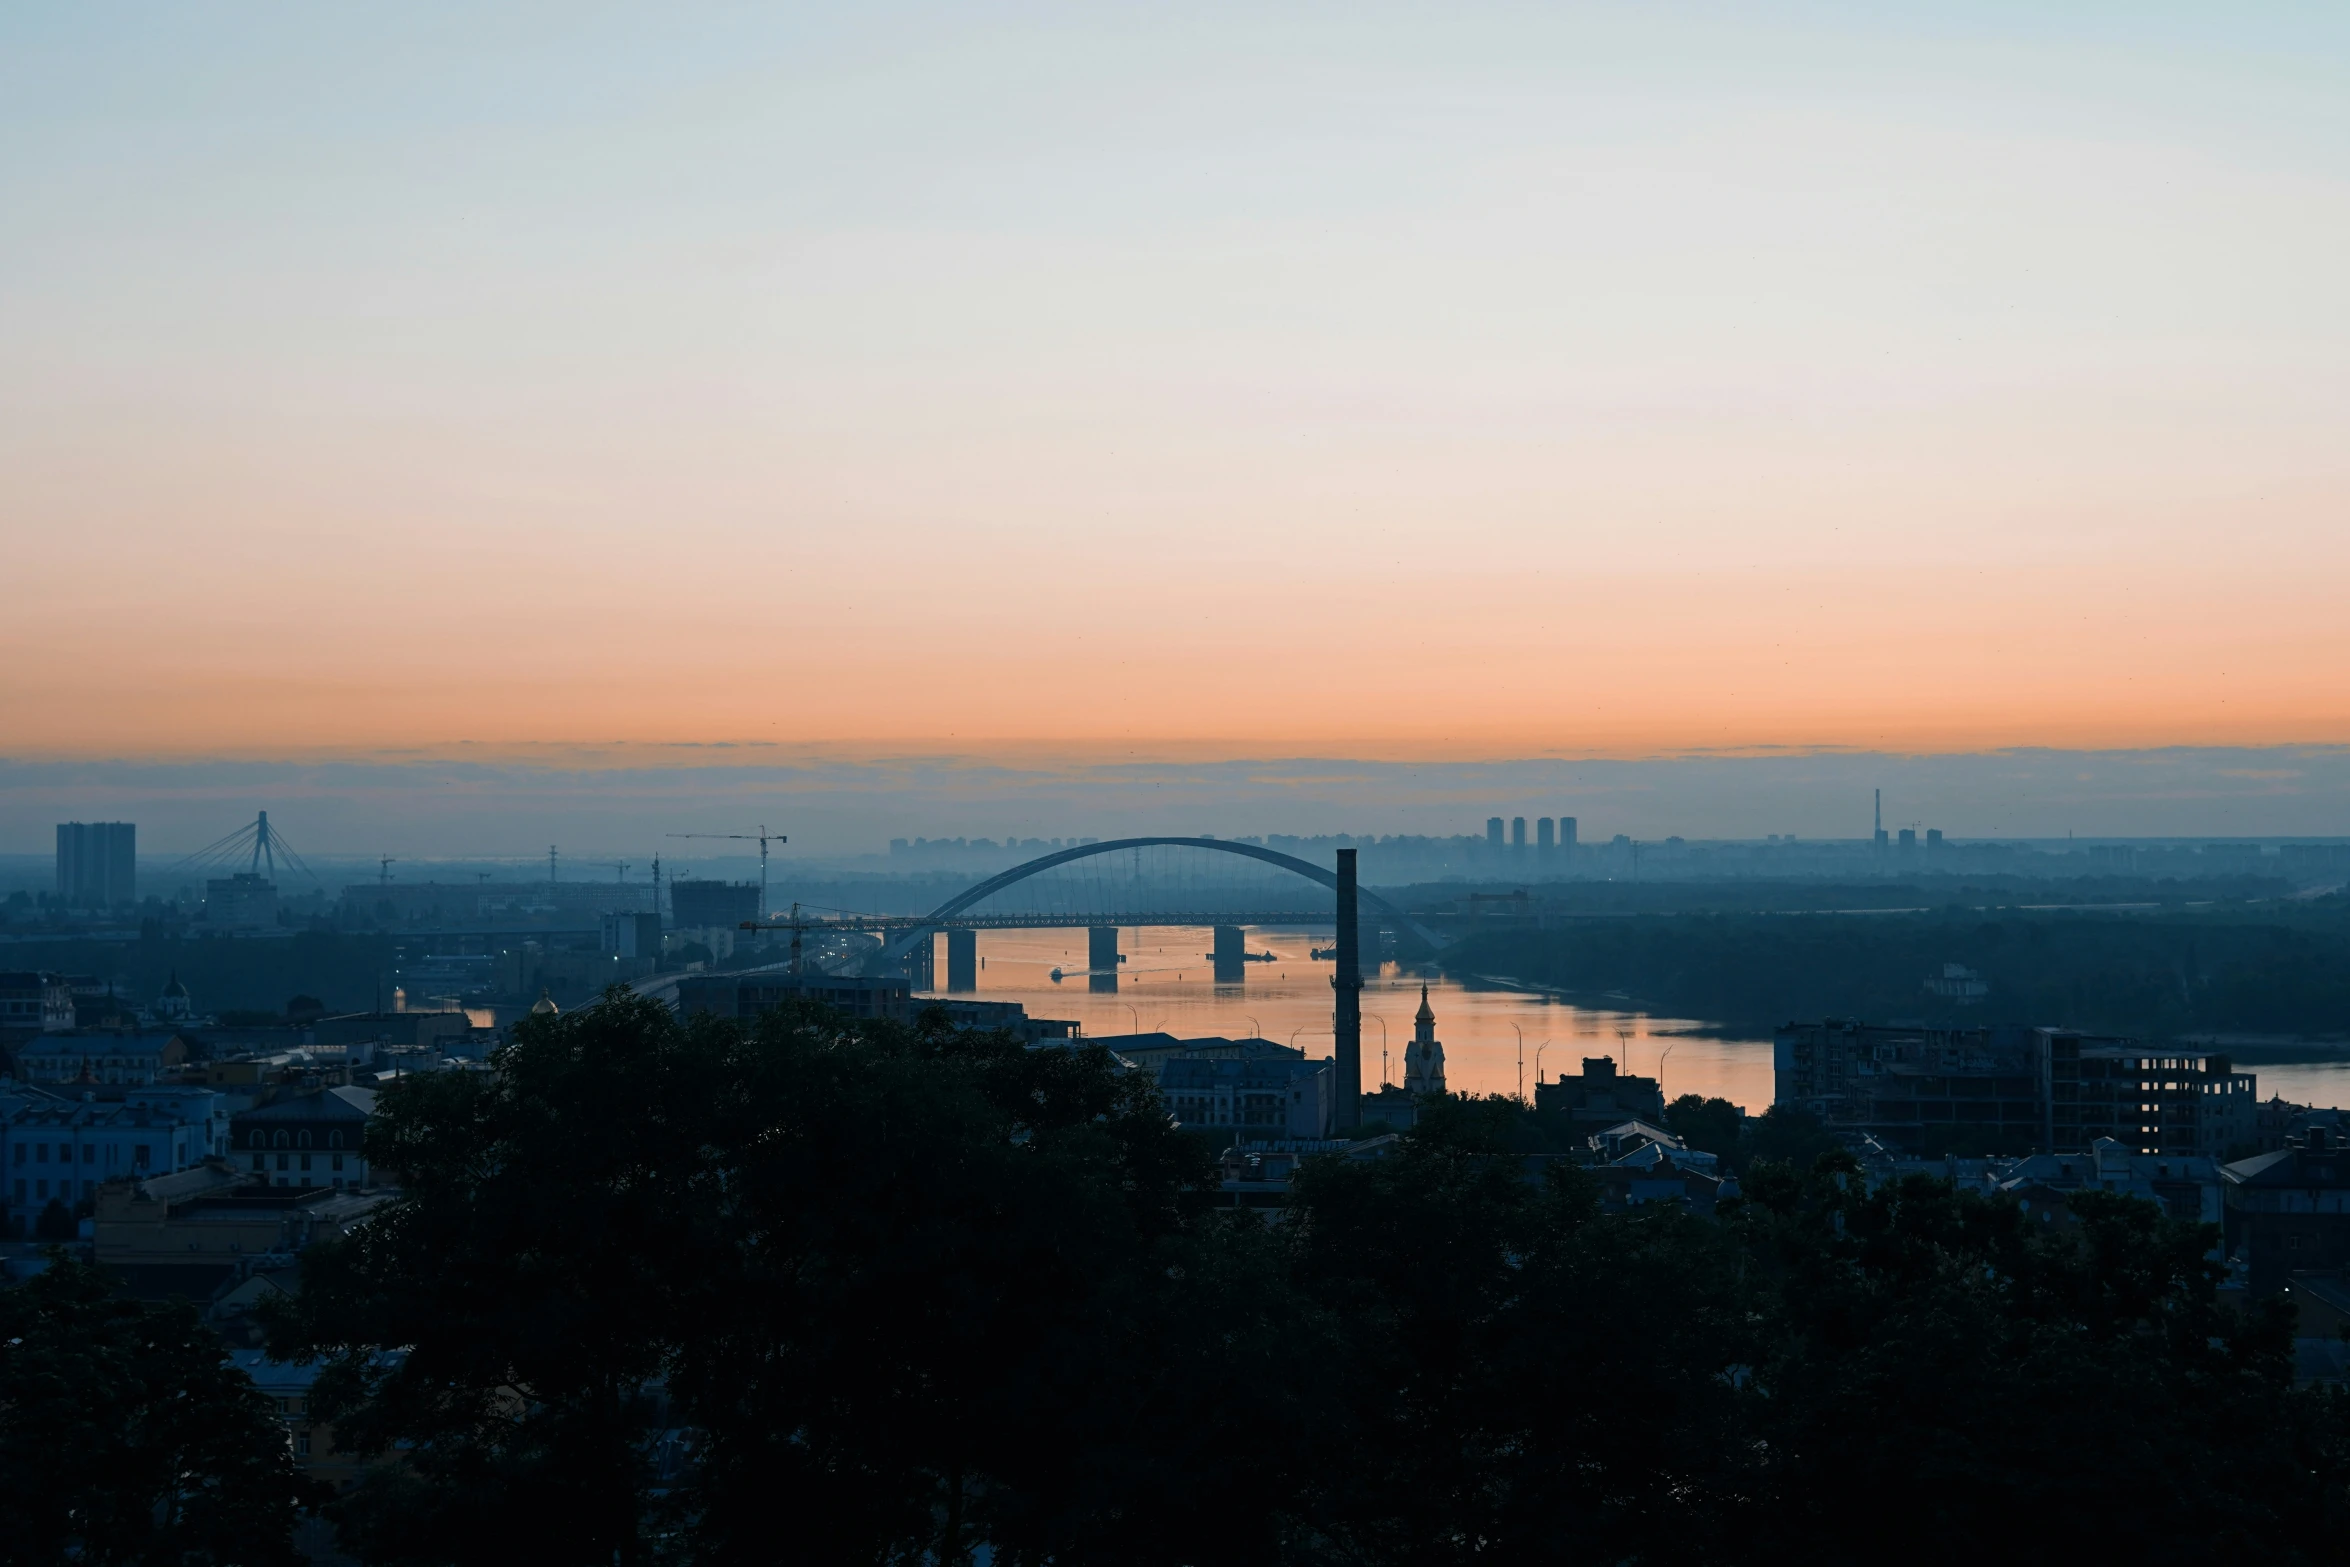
(1521, 1033)
(1538, 1049)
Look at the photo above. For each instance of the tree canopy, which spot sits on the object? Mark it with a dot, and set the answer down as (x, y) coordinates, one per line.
(126, 1437)
(694, 1291)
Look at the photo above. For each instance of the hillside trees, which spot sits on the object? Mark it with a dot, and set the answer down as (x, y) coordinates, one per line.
(126, 1437)
(903, 1294)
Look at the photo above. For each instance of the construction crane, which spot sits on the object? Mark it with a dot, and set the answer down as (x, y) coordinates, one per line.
(795, 925)
(383, 870)
(764, 838)
(607, 865)
(836, 920)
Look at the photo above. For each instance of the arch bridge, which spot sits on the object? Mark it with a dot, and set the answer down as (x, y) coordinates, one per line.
(1136, 902)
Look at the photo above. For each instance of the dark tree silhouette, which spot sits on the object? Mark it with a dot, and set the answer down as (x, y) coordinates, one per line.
(125, 1437)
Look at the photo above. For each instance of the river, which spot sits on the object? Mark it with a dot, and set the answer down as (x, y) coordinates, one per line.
(1165, 984)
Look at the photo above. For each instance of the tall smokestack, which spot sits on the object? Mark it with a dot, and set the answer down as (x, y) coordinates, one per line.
(1348, 1017)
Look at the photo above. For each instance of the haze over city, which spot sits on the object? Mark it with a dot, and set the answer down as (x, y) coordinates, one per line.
(1308, 785)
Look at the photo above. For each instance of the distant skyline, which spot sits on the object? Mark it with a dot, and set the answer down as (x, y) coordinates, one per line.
(1429, 383)
(623, 801)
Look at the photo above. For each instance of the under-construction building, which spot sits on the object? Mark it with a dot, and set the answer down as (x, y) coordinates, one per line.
(2012, 1090)
(695, 905)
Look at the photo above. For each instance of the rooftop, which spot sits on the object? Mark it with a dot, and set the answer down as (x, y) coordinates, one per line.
(326, 1104)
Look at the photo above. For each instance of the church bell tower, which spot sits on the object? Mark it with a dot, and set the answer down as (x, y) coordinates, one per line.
(1423, 1058)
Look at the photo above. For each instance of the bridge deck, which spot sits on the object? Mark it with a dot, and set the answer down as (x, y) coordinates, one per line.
(1127, 918)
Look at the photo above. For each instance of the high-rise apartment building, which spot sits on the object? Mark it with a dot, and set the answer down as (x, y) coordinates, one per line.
(1493, 832)
(1566, 832)
(1517, 832)
(1542, 832)
(97, 864)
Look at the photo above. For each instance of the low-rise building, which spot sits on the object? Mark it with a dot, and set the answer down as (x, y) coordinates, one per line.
(1600, 1097)
(33, 1003)
(1638, 1162)
(1258, 1173)
(97, 1006)
(1254, 1098)
(2288, 1212)
(2276, 1120)
(990, 1016)
(307, 1140)
(101, 1058)
(1153, 1050)
(1392, 1108)
(186, 1234)
(2184, 1187)
(59, 1148)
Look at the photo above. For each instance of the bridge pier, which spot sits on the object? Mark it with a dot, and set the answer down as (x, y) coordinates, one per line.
(1101, 957)
(1230, 957)
(962, 960)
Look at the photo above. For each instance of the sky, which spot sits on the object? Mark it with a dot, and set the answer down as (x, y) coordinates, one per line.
(1430, 385)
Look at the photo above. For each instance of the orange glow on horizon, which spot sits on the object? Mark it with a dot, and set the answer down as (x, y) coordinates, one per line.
(1630, 668)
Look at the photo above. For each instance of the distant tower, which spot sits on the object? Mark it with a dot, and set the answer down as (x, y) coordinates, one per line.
(1877, 834)
(1423, 1058)
(1542, 835)
(1518, 833)
(1493, 832)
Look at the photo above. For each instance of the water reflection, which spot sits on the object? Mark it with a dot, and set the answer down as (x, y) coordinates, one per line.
(1167, 982)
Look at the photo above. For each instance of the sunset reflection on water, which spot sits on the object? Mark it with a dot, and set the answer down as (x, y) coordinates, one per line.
(1165, 984)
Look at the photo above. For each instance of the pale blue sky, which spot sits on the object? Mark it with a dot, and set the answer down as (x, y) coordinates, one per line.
(1569, 377)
